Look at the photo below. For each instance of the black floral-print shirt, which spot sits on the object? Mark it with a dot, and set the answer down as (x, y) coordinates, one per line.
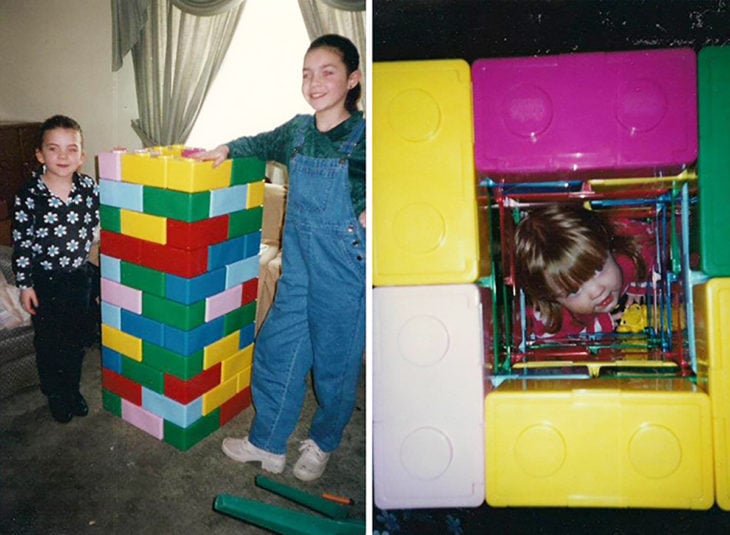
(49, 233)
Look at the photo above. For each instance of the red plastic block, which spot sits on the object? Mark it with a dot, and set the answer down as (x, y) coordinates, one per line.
(183, 235)
(121, 386)
(235, 405)
(186, 391)
(175, 261)
(120, 246)
(250, 289)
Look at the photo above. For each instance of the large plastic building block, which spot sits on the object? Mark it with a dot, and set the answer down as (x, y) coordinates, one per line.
(599, 443)
(184, 367)
(111, 268)
(143, 375)
(142, 278)
(223, 303)
(120, 246)
(221, 349)
(217, 396)
(121, 296)
(110, 217)
(191, 289)
(237, 362)
(188, 342)
(145, 168)
(121, 195)
(234, 406)
(143, 328)
(255, 194)
(110, 164)
(192, 176)
(245, 170)
(143, 226)
(242, 271)
(122, 342)
(184, 235)
(714, 159)
(172, 313)
(142, 419)
(185, 438)
(177, 204)
(599, 112)
(227, 252)
(111, 315)
(428, 396)
(227, 200)
(712, 316)
(186, 391)
(121, 386)
(245, 221)
(425, 228)
(170, 410)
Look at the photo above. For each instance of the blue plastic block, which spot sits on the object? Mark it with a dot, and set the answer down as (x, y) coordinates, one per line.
(253, 243)
(247, 336)
(171, 410)
(121, 195)
(111, 315)
(190, 290)
(111, 360)
(227, 200)
(144, 328)
(188, 342)
(110, 268)
(241, 271)
(227, 252)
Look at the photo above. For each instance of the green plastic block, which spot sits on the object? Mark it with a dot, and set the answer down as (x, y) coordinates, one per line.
(245, 170)
(111, 402)
(181, 366)
(184, 438)
(143, 278)
(185, 317)
(110, 218)
(714, 159)
(239, 318)
(245, 221)
(143, 374)
(186, 207)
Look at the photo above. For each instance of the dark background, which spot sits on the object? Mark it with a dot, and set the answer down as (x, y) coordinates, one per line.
(471, 29)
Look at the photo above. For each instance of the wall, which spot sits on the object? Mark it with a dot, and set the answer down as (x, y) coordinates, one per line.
(55, 57)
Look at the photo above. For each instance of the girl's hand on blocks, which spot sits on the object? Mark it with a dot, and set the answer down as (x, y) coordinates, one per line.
(363, 218)
(29, 300)
(218, 155)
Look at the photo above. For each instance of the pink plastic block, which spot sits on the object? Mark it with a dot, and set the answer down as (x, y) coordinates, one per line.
(600, 113)
(110, 164)
(223, 303)
(142, 419)
(121, 296)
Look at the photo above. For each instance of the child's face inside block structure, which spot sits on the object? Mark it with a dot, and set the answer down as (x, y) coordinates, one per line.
(598, 294)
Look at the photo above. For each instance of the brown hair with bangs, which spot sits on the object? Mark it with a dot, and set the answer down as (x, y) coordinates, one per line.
(558, 248)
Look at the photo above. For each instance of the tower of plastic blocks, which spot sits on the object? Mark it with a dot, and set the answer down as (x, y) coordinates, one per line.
(179, 265)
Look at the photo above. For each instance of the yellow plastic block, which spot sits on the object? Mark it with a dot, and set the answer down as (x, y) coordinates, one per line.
(192, 176)
(221, 349)
(236, 363)
(143, 226)
(146, 168)
(712, 317)
(121, 342)
(217, 396)
(599, 443)
(425, 219)
(168, 150)
(244, 378)
(255, 194)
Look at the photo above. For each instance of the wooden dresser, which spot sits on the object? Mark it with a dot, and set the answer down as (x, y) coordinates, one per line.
(17, 161)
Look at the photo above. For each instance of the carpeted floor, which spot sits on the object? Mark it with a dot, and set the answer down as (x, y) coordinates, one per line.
(99, 474)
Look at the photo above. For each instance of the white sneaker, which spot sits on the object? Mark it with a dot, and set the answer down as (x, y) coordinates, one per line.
(241, 450)
(312, 462)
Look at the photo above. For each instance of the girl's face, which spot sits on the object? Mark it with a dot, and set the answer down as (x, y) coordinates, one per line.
(598, 294)
(61, 152)
(325, 81)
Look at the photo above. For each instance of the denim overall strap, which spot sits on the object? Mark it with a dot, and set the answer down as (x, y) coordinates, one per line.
(317, 320)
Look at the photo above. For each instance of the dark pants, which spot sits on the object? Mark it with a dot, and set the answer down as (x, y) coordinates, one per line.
(61, 322)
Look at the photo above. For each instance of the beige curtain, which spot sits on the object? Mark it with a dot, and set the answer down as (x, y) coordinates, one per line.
(177, 49)
(320, 17)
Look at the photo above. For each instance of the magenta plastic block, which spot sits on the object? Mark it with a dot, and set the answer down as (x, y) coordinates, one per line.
(600, 113)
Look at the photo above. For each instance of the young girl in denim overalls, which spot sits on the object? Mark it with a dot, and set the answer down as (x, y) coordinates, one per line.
(317, 320)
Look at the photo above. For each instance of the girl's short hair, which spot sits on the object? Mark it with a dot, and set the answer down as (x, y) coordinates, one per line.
(350, 57)
(558, 248)
(57, 121)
